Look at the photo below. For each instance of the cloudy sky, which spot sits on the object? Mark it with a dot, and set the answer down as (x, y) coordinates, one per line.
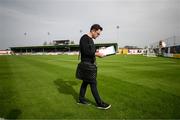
(141, 21)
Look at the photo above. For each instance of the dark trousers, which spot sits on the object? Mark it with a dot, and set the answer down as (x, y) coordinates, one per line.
(93, 90)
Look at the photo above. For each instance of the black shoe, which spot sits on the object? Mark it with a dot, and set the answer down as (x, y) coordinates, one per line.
(84, 102)
(103, 106)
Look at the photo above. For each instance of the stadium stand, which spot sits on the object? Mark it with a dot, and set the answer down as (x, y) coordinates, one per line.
(70, 49)
(169, 47)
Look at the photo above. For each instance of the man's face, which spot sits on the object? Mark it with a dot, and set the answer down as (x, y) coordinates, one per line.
(96, 33)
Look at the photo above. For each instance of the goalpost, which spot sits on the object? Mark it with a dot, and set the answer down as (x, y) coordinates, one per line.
(149, 52)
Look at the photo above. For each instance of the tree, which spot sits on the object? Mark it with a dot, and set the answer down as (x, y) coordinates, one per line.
(45, 43)
(72, 42)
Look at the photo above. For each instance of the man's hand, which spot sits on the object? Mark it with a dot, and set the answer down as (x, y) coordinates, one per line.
(98, 54)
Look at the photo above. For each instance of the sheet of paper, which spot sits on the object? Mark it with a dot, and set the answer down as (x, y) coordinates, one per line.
(108, 50)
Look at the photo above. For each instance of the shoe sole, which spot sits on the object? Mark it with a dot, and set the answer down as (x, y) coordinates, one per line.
(84, 104)
(104, 108)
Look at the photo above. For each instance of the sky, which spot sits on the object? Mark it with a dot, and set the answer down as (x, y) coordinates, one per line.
(141, 22)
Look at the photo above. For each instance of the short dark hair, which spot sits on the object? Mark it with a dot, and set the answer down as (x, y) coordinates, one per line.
(96, 27)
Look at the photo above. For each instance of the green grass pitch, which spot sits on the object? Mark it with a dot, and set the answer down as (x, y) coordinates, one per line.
(45, 87)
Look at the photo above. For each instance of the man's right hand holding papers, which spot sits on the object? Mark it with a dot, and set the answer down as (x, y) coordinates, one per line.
(106, 51)
(98, 54)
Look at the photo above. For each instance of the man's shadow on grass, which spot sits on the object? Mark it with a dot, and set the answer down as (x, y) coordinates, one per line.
(13, 114)
(66, 87)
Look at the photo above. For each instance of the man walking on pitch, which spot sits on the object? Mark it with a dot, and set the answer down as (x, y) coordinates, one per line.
(88, 57)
